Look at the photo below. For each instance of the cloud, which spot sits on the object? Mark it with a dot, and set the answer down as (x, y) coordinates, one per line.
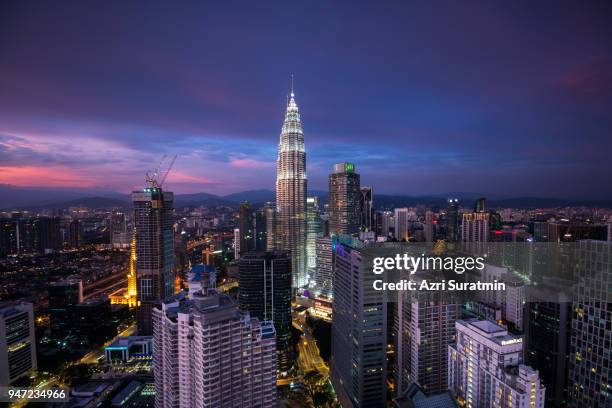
(249, 163)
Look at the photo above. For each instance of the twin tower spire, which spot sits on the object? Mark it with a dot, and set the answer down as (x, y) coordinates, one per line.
(291, 192)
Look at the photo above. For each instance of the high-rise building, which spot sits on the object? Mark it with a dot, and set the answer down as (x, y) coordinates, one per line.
(475, 227)
(246, 227)
(479, 205)
(75, 233)
(359, 329)
(387, 224)
(265, 292)
(425, 326)
(402, 219)
(155, 275)
(9, 242)
(590, 377)
(48, 236)
(313, 229)
(237, 243)
(428, 226)
(119, 235)
(63, 297)
(269, 210)
(323, 273)
(452, 220)
(261, 230)
(547, 345)
(366, 207)
(344, 196)
(485, 368)
(291, 191)
(209, 354)
(17, 341)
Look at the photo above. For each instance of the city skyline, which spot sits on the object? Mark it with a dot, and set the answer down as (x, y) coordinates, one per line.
(523, 110)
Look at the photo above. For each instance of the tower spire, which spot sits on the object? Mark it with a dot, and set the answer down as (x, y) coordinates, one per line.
(292, 94)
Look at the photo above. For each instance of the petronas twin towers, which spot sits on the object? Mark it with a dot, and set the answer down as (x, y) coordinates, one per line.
(291, 185)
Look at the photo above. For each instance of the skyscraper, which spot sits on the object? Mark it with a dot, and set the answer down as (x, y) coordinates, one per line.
(209, 354)
(424, 329)
(153, 221)
(452, 220)
(246, 227)
(366, 207)
(402, 219)
(265, 292)
(359, 329)
(324, 268)
(344, 196)
(313, 229)
(17, 342)
(291, 190)
(590, 371)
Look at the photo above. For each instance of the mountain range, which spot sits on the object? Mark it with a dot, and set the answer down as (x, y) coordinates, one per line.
(14, 198)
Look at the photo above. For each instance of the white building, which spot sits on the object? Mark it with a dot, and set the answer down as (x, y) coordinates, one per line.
(485, 368)
(17, 341)
(210, 354)
(402, 219)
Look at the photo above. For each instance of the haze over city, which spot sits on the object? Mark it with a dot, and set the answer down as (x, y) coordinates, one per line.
(497, 100)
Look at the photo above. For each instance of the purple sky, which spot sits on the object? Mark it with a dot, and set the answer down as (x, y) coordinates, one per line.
(507, 99)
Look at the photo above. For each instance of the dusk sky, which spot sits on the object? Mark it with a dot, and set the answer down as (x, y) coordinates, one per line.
(502, 98)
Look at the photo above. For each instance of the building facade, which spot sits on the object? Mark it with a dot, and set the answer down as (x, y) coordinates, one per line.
(485, 368)
(359, 330)
(265, 292)
(153, 222)
(344, 198)
(17, 341)
(209, 354)
(291, 191)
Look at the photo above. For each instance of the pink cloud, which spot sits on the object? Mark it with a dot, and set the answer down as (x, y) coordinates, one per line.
(249, 164)
(51, 176)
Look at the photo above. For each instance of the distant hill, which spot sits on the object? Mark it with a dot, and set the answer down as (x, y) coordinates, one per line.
(37, 198)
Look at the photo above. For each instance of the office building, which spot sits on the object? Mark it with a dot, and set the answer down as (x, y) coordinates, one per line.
(17, 341)
(485, 368)
(590, 373)
(209, 354)
(547, 344)
(261, 230)
(155, 274)
(236, 243)
(359, 330)
(265, 292)
(324, 269)
(429, 227)
(269, 210)
(291, 192)
(344, 196)
(313, 229)
(366, 208)
(63, 296)
(246, 228)
(452, 220)
(48, 236)
(403, 217)
(75, 233)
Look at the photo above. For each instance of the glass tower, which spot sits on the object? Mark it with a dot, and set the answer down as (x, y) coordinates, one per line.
(291, 184)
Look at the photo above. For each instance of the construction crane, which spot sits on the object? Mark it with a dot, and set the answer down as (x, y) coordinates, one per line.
(152, 176)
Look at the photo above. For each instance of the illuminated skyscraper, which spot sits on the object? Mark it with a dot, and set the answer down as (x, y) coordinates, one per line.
(452, 220)
(344, 196)
(313, 229)
(153, 220)
(291, 185)
(17, 344)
